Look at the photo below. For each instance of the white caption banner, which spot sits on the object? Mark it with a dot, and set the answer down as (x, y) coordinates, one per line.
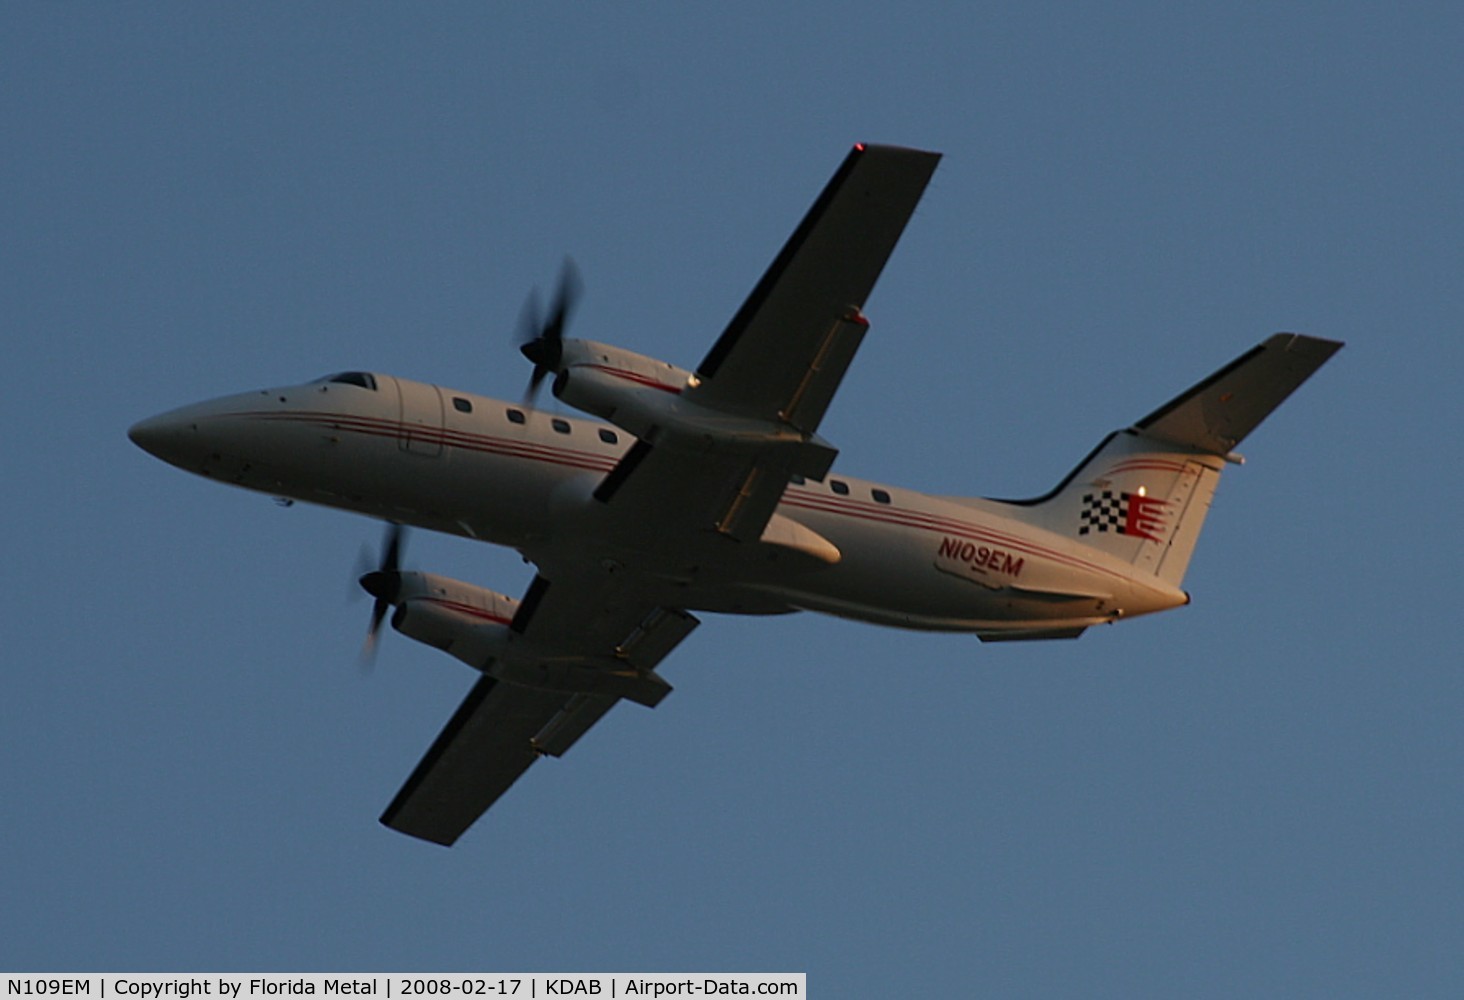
(403, 985)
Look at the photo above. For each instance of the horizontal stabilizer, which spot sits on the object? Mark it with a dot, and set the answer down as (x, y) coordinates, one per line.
(1215, 415)
(1027, 634)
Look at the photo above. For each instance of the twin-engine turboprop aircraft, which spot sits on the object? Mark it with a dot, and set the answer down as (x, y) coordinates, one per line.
(710, 491)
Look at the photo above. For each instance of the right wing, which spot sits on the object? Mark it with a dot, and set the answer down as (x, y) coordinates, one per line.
(581, 643)
(487, 744)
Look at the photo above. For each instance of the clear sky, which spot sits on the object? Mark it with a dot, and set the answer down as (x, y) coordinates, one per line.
(1260, 794)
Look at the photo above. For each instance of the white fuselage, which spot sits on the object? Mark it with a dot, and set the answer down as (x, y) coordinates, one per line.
(449, 461)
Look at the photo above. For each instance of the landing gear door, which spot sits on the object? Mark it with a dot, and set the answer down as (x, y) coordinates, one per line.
(421, 418)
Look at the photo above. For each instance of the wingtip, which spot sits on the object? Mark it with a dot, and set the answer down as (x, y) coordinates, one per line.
(869, 147)
(1291, 337)
(386, 820)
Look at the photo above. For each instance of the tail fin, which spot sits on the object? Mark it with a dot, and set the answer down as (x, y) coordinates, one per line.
(1143, 493)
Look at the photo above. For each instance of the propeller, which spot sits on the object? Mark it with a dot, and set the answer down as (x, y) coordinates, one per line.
(383, 583)
(542, 340)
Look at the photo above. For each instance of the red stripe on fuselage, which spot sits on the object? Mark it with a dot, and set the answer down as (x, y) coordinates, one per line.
(1146, 465)
(377, 427)
(802, 499)
(922, 521)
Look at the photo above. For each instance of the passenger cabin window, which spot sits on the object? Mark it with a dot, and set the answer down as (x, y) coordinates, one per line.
(880, 496)
(562, 426)
(462, 405)
(839, 487)
(363, 379)
(797, 479)
(608, 436)
(516, 416)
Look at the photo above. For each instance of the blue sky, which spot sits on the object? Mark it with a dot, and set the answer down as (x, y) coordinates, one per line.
(1262, 793)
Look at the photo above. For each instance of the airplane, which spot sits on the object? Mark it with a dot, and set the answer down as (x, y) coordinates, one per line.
(709, 491)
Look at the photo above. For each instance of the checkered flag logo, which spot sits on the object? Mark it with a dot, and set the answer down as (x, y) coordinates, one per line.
(1123, 514)
(1103, 512)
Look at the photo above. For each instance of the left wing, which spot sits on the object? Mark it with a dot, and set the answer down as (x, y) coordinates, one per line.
(784, 353)
(579, 644)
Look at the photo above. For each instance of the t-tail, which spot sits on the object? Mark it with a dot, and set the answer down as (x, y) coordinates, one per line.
(1143, 493)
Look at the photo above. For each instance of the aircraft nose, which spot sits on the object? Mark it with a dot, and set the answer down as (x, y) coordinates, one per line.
(167, 436)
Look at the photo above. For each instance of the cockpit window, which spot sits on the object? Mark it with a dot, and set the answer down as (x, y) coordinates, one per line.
(364, 379)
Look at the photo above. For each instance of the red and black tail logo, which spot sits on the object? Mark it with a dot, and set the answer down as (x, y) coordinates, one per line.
(1124, 514)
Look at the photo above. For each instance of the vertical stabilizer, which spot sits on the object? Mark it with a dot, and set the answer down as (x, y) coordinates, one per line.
(1143, 494)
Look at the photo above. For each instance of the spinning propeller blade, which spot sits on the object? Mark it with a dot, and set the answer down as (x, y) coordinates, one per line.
(383, 583)
(542, 340)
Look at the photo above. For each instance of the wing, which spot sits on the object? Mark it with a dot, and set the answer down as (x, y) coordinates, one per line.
(782, 356)
(787, 349)
(590, 632)
(581, 643)
(487, 744)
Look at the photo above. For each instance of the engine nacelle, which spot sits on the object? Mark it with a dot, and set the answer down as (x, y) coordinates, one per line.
(657, 403)
(630, 390)
(472, 624)
(465, 621)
